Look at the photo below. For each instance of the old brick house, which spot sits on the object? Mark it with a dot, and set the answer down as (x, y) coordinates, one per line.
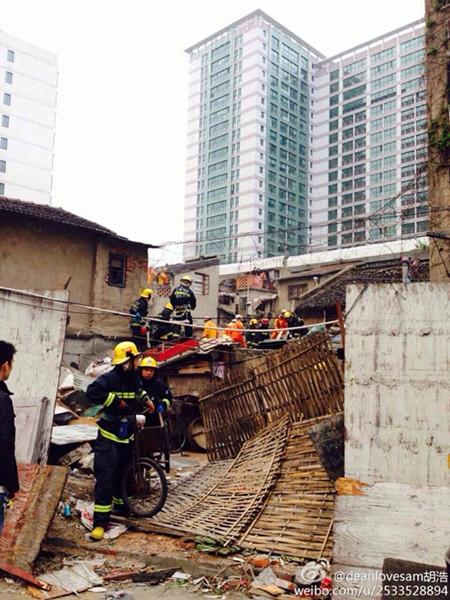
(48, 248)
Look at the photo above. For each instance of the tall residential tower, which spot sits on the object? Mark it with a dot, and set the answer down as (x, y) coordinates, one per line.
(369, 143)
(248, 141)
(290, 152)
(28, 84)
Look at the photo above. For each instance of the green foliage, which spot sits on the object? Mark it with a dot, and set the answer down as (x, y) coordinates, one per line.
(431, 51)
(439, 134)
(443, 142)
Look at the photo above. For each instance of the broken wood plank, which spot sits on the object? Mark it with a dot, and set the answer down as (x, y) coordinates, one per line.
(24, 575)
(302, 380)
(28, 520)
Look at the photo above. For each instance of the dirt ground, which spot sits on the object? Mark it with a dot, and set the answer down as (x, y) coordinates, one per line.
(136, 592)
(68, 541)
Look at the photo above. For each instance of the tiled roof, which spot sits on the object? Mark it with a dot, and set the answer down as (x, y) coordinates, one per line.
(191, 265)
(44, 212)
(379, 271)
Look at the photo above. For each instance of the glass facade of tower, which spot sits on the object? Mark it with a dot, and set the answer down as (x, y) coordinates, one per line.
(370, 168)
(218, 147)
(291, 152)
(287, 146)
(247, 176)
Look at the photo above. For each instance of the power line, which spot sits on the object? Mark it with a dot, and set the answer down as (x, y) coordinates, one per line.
(28, 294)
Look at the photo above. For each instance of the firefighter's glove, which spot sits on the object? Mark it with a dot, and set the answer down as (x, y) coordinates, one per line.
(140, 422)
(164, 405)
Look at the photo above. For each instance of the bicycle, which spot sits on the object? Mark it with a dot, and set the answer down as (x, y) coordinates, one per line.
(144, 483)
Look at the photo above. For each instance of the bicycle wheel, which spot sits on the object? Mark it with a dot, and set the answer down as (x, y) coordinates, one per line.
(176, 429)
(144, 487)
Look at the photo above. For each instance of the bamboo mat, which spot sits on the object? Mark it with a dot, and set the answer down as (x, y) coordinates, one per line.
(304, 379)
(222, 499)
(297, 517)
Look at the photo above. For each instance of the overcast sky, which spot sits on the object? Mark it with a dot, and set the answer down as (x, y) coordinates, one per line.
(121, 118)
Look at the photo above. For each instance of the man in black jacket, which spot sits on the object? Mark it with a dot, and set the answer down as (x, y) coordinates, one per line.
(9, 479)
(138, 324)
(158, 392)
(183, 301)
(165, 331)
(122, 396)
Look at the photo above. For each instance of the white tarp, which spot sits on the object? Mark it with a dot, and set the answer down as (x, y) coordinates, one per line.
(36, 326)
(71, 434)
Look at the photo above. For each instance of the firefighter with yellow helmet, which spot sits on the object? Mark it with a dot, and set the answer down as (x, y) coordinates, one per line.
(121, 395)
(138, 312)
(184, 301)
(158, 392)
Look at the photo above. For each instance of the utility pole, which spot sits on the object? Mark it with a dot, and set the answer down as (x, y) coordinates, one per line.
(437, 69)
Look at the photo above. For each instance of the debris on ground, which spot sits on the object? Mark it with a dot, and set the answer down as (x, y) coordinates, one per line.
(211, 546)
(86, 512)
(98, 367)
(29, 518)
(63, 435)
(77, 457)
(283, 578)
(74, 579)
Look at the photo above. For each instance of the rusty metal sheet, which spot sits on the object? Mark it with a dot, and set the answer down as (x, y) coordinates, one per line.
(36, 326)
(29, 518)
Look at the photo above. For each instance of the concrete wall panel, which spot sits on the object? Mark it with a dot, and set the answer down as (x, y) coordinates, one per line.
(397, 386)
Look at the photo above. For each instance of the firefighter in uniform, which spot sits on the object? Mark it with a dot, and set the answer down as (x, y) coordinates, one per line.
(158, 392)
(165, 331)
(138, 325)
(254, 336)
(183, 300)
(121, 394)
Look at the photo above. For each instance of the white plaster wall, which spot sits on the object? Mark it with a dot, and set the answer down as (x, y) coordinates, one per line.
(37, 328)
(397, 385)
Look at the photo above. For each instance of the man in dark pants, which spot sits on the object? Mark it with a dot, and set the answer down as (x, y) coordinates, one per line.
(122, 397)
(165, 331)
(9, 479)
(138, 325)
(183, 301)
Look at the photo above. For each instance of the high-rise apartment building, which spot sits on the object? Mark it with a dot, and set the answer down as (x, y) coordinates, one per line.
(289, 151)
(28, 87)
(248, 141)
(369, 143)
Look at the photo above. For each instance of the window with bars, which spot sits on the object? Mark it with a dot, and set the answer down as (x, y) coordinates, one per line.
(117, 266)
(295, 291)
(200, 285)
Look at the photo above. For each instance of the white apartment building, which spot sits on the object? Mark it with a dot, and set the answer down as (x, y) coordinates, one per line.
(28, 93)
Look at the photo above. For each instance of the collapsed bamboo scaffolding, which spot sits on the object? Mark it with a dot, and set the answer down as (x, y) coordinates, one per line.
(297, 518)
(302, 380)
(222, 499)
